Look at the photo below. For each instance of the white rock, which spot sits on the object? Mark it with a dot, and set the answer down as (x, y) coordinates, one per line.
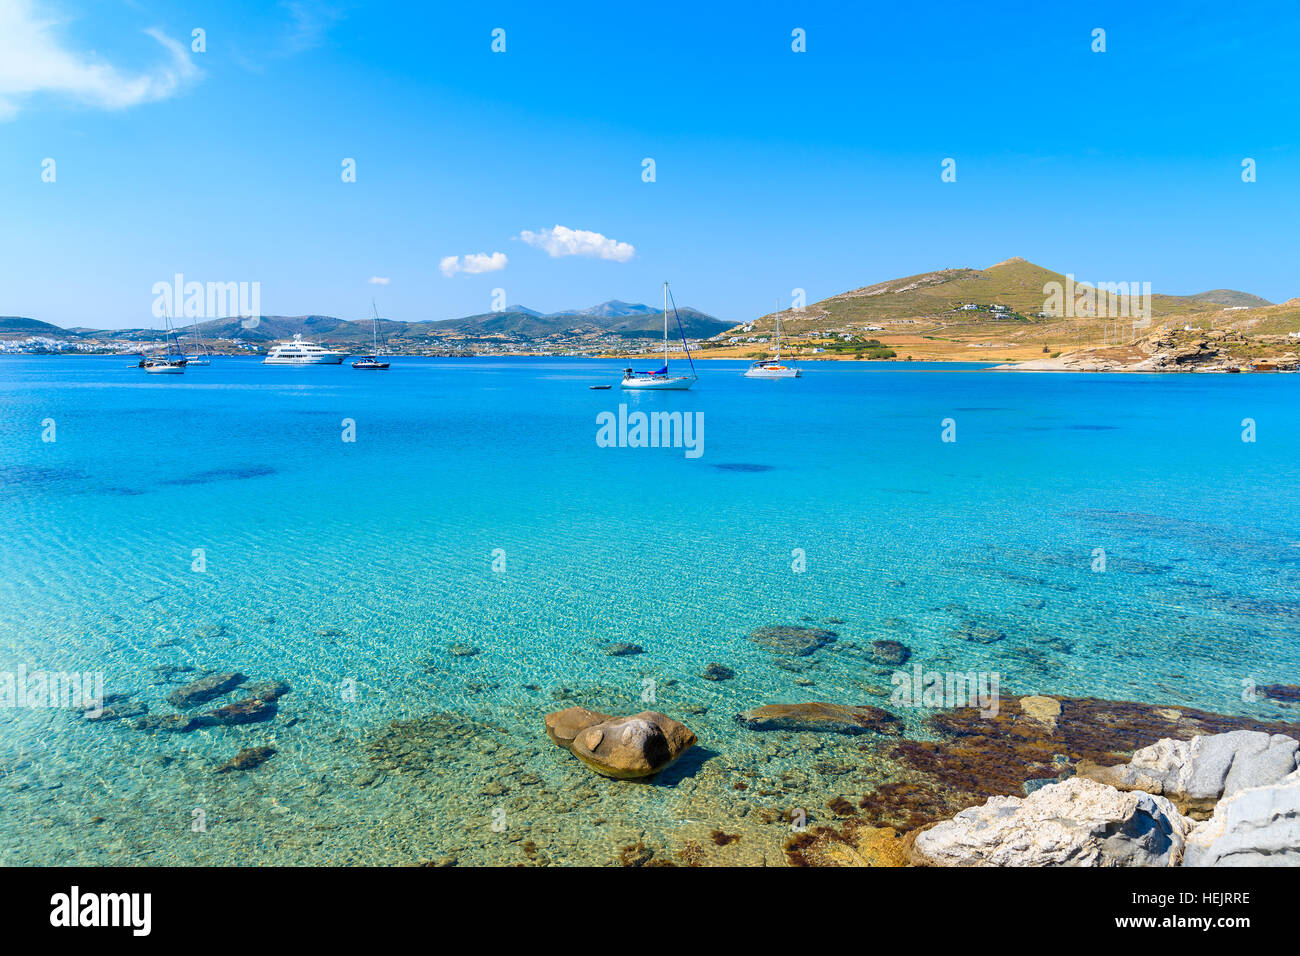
(1259, 826)
(1195, 774)
(1075, 823)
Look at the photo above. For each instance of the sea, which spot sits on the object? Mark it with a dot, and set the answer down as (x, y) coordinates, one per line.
(436, 556)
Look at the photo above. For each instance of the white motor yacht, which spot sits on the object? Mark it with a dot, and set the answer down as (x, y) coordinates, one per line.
(298, 352)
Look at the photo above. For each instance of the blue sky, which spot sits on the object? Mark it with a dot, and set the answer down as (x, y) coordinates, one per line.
(775, 170)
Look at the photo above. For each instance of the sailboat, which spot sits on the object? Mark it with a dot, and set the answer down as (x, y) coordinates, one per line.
(166, 364)
(661, 379)
(371, 361)
(200, 356)
(772, 368)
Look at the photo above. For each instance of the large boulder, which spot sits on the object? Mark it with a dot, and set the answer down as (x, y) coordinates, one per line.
(1074, 823)
(563, 725)
(1196, 774)
(627, 748)
(1258, 826)
(821, 717)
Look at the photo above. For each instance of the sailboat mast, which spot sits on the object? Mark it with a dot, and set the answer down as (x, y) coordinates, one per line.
(778, 329)
(374, 327)
(665, 325)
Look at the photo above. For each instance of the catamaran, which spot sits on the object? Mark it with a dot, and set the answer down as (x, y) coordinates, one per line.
(371, 361)
(772, 368)
(299, 352)
(661, 379)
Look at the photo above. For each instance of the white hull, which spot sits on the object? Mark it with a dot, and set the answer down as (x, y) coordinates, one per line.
(660, 383)
(299, 352)
(768, 372)
(312, 360)
(196, 361)
(165, 369)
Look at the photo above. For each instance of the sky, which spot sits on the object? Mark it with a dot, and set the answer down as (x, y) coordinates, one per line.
(523, 171)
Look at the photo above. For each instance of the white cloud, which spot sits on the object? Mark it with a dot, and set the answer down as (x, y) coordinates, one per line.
(563, 241)
(380, 280)
(473, 263)
(34, 60)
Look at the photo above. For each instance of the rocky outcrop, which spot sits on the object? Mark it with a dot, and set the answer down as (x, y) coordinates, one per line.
(1196, 774)
(1257, 826)
(626, 748)
(821, 717)
(1077, 822)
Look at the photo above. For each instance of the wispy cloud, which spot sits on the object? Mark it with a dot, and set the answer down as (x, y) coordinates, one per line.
(35, 60)
(309, 23)
(473, 263)
(561, 241)
(380, 280)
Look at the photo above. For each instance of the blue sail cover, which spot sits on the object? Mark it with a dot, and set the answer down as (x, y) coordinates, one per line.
(662, 371)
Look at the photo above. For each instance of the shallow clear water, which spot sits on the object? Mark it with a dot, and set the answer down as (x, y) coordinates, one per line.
(332, 564)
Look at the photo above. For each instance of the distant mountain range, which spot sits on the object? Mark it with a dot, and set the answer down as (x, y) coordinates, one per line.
(517, 324)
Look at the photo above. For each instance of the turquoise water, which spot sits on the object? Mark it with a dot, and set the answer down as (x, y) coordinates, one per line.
(333, 564)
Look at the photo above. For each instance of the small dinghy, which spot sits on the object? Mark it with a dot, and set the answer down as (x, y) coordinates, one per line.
(597, 388)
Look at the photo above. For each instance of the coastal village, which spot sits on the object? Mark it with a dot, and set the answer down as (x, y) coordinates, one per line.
(998, 316)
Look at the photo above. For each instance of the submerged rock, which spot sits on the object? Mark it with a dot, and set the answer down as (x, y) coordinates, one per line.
(462, 650)
(167, 723)
(623, 649)
(205, 689)
(119, 710)
(247, 759)
(890, 653)
(267, 689)
(717, 671)
(1285, 693)
(1196, 774)
(250, 710)
(792, 640)
(630, 747)
(974, 634)
(1075, 823)
(823, 717)
(1045, 710)
(1258, 826)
